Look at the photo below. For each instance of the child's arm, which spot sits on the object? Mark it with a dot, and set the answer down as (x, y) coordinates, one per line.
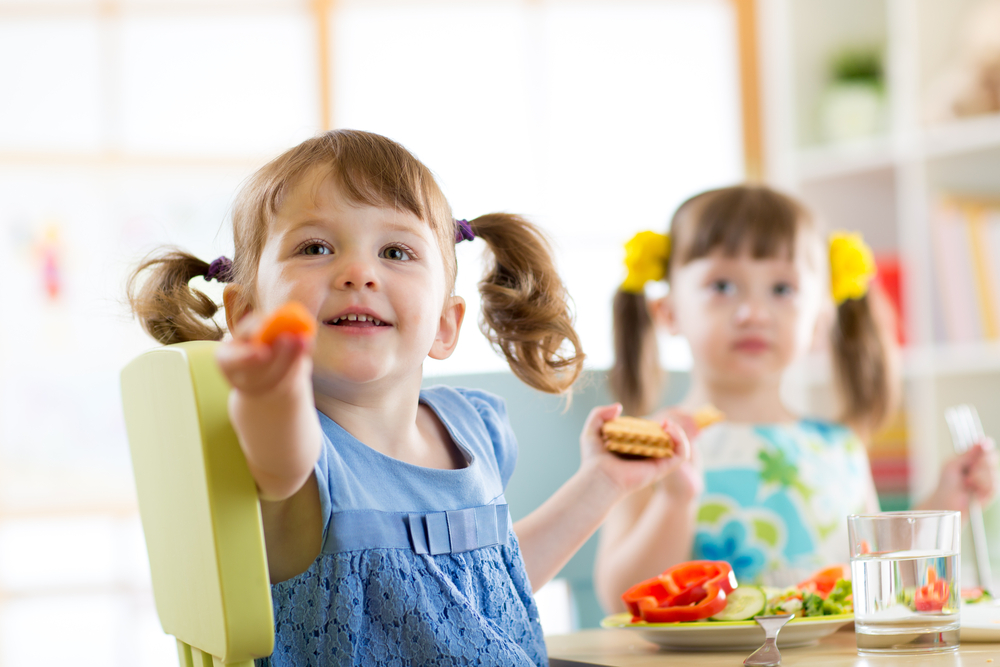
(551, 534)
(272, 411)
(651, 529)
(645, 534)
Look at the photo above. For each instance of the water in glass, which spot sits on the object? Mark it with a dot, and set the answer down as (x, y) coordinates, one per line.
(906, 600)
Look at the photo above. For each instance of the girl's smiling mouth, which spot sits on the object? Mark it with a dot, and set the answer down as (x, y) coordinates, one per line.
(356, 320)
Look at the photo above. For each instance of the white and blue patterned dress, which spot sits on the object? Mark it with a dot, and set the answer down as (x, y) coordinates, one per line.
(419, 566)
(777, 497)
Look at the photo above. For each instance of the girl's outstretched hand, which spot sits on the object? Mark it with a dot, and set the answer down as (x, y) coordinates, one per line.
(255, 367)
(972, 474)
(630, 474)
(271, 407)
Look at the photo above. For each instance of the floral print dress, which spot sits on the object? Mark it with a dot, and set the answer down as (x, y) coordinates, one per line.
(777, 497)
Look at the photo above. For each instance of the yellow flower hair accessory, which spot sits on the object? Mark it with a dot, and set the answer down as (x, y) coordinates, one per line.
(852, 266)
(646, 256)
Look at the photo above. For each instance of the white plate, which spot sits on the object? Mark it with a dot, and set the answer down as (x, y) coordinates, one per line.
(980, 622)
(728, 635)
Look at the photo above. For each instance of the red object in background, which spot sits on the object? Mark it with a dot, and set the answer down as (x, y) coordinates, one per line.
(891, 475)
(890, 279)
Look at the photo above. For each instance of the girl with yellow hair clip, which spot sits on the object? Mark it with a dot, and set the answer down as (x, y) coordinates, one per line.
(752, 283)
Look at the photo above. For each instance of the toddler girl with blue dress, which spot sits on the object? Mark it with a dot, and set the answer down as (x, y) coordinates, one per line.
(387, 531)
(751, 281)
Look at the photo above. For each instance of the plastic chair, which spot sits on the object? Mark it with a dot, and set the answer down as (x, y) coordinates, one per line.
(199, 508)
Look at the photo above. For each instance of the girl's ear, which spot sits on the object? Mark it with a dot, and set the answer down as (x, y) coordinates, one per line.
(661, 311)
(234, 298)
(448, 328)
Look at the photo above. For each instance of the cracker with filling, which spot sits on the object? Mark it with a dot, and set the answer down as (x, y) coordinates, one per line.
(637, 437)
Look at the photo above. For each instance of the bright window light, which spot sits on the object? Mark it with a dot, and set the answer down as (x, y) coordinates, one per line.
(594, 120)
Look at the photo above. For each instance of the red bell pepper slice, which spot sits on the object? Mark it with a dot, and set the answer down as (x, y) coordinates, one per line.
(685, 592)
(822, 582)
(933, 595)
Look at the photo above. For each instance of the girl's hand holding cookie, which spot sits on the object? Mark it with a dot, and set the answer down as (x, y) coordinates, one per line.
(687, 482)
(635, 473)
(266, 353)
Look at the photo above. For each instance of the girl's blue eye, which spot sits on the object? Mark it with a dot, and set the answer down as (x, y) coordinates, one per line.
(723, 287)
(784, 289)
(315, 249)
(395, 253)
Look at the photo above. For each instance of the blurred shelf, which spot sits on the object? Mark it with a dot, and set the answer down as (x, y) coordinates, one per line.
(977, 358)
(847, 159)
(963, 136)
(925, 362)
(887, 186)
(856, 158)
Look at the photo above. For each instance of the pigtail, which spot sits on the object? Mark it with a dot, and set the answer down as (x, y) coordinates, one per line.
(165, 305)
(863, 362)
(525, 307)
(635, 376)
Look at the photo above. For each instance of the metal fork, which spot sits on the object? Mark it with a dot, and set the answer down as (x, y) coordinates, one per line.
(768, 655)
(966, 430)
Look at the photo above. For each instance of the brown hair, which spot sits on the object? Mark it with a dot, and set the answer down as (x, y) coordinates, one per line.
(526, 312)
(767, 223)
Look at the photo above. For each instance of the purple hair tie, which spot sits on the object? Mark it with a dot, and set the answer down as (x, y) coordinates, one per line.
(463, 231)
(221, 270)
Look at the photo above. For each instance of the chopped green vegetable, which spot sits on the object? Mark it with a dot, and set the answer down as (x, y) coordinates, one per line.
(743, 603)
(806, 603)
(975, 595)
(813, 604)
(841, 591)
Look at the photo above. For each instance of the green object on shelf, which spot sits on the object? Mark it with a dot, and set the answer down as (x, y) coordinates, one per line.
(852, 106)
(858, 65)
(199, 508)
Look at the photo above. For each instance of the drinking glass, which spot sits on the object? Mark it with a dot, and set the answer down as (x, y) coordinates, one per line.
(904, 575)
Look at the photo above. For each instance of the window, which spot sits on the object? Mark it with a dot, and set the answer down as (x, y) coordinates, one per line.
(128, 124)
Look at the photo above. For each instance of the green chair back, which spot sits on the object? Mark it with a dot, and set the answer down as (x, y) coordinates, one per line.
(199, 508)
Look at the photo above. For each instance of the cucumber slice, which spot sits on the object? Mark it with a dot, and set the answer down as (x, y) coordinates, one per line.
(743, 603)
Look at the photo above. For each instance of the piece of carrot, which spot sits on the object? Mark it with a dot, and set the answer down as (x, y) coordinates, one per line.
(292, 318)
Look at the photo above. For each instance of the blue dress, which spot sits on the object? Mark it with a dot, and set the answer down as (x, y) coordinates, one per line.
(419, 566)
(777, 497)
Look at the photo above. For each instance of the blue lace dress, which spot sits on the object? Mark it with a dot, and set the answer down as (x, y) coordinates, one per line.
(419, 566)
(777, 497)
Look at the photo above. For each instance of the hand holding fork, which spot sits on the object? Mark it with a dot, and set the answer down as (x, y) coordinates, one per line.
(967, 431)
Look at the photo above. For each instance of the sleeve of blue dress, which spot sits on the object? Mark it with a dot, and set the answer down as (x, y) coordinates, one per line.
(493, 411)
(322, 472)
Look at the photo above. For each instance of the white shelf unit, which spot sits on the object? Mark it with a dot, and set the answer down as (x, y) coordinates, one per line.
(885, 186)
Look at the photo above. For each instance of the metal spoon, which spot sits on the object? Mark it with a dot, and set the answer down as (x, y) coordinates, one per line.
(767, 655)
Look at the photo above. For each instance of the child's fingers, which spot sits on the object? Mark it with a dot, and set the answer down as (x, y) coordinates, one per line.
(980, 470)
(247, 326)
(685, 420)
(237, 355)
(682, 446)
(254, 367)
(599, 415)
